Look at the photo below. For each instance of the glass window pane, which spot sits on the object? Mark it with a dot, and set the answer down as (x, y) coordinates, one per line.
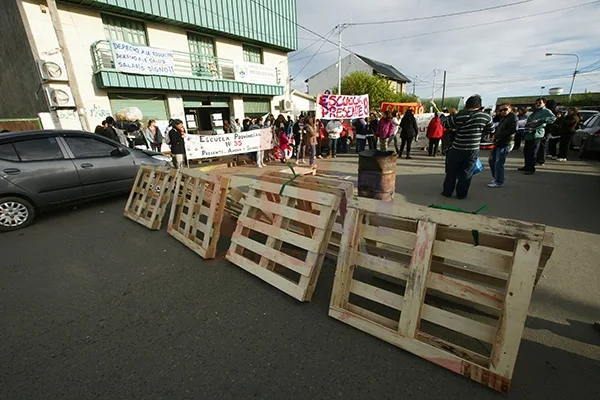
(252, 54)
(39, 149)
(88, 147)
(124, 29)
(7, 152)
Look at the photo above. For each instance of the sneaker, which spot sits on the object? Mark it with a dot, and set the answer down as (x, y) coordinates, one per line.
(495, 185)
(551, 157)
(561, 159)
(319, 157)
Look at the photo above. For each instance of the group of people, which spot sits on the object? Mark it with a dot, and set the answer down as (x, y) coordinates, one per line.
(542, 131)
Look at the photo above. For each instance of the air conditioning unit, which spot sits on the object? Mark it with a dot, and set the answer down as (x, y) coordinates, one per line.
(53, 70)
(59, 96)
(285, 105)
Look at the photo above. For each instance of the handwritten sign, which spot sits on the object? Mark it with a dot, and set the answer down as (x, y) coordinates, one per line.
(143, 60)
(334, 106)
(402, 107)
(206, 146)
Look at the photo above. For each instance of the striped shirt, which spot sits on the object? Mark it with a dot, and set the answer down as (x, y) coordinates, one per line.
(470, 127)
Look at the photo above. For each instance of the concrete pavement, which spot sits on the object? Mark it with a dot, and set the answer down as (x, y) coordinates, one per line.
(96, 306)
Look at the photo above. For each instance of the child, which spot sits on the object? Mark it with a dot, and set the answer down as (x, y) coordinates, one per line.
(286, 145)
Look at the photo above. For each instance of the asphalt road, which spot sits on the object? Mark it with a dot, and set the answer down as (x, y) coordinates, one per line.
(93, 305)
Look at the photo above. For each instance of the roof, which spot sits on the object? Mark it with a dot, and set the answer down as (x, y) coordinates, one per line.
(303, 95)
(385, 69)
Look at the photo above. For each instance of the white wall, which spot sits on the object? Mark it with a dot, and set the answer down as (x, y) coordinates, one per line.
(279, 60)
(328, 78)
(300, 104)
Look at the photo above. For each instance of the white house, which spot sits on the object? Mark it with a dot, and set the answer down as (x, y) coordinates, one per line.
(327, 79)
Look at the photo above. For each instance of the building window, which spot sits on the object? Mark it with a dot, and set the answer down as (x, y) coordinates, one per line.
(202, 55)
(124, 29)
(252, 54)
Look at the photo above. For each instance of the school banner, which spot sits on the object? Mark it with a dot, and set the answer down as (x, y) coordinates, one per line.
(143, 60)
(207, 146)
(334, 106)
(402, 107)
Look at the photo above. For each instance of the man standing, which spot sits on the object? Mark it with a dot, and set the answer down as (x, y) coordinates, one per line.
(334, 130)
(535, 133)
(503, 141)
(109, 130)
(176, 142)
(360, 126)
(298, 131)
(470, 126)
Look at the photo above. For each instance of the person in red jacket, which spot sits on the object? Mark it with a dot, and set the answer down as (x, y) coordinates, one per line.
(435, 132)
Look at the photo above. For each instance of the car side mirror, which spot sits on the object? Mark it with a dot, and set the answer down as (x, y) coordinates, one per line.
(119, 152)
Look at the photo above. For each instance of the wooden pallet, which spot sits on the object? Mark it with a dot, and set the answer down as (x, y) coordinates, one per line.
(420, 246)
(264, 245)
(330, 184)
(235, 202)
(197, 211)
(150, 195)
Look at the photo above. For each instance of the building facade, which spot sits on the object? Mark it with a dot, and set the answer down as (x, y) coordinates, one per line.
(84, 60)
(327, 79)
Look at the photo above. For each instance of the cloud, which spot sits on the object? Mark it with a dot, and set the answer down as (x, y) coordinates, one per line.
(494, 59)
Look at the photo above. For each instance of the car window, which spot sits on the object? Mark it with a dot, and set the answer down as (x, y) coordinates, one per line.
(83, 147)
(589, 121)
(7, 152)
(594, 123)
(43, 149)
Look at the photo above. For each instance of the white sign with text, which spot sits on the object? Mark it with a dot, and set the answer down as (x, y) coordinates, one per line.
(143, 60)
(255, 73)
(206, 146)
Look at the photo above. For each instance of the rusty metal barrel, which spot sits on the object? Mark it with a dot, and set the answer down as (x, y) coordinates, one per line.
(377, 174)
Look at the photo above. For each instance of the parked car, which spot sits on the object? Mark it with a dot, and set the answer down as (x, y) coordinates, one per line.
(591, 125)
(40, 170)
(587, 114)
(590, 142)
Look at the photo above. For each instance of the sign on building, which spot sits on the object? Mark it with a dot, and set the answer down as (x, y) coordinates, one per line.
(207, 146)
(255, 73)
(334, 106)
(143, 60)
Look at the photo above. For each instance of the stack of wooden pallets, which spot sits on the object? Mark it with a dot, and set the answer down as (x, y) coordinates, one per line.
(425, 251)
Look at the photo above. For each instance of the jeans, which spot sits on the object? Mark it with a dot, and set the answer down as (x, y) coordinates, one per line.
(361, 144)
(460, 165)
(497, 161)
(552, 143)
(260, 158)
(313, 153)
(156, 147)
(541, 151)
(563, 145)
(333, 146)
(530, 153)
(433, 147)
(405, 142)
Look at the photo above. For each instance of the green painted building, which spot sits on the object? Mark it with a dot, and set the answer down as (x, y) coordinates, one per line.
(197, 60)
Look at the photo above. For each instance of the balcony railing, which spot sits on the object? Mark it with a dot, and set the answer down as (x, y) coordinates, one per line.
(186, 64)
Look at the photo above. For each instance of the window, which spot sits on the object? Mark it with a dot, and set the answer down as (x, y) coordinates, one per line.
(124, 29)
(83, 147)
(44, 149)
(252, 54)
(202, 55)
(7, 152)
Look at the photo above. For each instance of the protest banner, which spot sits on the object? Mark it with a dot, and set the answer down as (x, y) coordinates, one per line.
(402, 107)
(334, 106)
(207, 146)
(144, 60)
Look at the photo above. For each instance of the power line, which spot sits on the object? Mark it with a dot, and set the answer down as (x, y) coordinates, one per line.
(476, 25)
(442, 15)
(290, 58)
(590, 67)
(313, 56)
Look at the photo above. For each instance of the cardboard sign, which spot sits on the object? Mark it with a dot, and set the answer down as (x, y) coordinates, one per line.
(402, 107)
(207, 146)
(334, 106)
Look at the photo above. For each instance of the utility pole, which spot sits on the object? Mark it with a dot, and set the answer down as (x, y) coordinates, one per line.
(415, 84)
(62, 42)
(433, 91)
(444, 91)
(340, 28)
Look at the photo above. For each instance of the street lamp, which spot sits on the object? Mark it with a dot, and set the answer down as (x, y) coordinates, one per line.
(542, 90)
(574, 72)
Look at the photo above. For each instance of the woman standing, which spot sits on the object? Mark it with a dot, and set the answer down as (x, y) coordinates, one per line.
(409, 130)
(311, 133)
(385, 130)
(153, 136)
(435, 131)
(566, 130)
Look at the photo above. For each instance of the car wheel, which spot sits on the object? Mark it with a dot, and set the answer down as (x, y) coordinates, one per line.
(15, 213)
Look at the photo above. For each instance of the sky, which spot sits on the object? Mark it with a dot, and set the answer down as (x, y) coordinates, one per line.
(492, 59)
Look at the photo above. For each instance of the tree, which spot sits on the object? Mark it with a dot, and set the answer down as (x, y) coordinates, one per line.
(377, 87)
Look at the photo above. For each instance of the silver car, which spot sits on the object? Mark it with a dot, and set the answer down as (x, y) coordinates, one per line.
(40, 170)
(591, 125)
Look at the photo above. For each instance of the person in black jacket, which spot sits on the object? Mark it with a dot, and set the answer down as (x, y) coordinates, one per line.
(176, 142)
(503, 143)
(408, 131)
(109, 131)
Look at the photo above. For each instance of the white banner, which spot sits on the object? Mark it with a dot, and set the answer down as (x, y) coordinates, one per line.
(255, 73)
(207, 146)
(143, 60)
(334, 106)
